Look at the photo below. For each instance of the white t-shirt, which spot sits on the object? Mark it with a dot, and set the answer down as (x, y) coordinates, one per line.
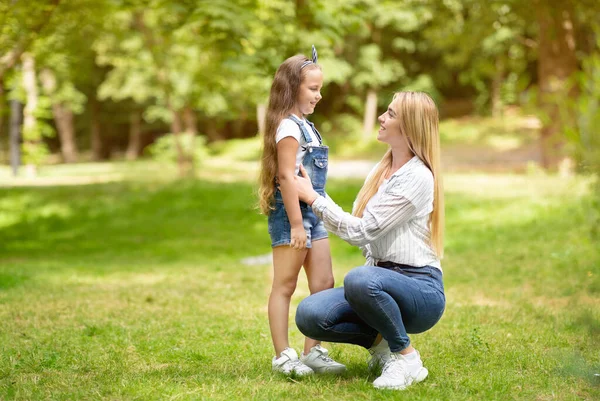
(287, 127)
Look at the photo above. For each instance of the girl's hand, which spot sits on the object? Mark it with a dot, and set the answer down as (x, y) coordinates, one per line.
(298, 240)
(306, 193)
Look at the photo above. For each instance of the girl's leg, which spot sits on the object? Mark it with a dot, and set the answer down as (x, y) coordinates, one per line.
(286, 266)
(394, 303)
(319, 274)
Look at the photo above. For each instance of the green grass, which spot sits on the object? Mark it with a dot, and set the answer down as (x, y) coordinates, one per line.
(509, 132)
(134, 290)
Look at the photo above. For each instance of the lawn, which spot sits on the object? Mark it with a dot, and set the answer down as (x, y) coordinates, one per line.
(133, 289)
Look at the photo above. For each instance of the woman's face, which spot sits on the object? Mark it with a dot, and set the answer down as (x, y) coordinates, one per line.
(309, 93)
(389, 129)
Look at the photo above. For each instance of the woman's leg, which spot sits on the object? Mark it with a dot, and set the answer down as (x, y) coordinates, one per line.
(286, 266)
(327, 316)
(319, 274)
(394, 303)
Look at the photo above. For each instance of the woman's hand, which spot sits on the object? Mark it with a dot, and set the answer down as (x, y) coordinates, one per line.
(306, 193)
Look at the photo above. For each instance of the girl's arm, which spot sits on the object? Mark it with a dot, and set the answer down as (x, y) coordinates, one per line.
(286, 166)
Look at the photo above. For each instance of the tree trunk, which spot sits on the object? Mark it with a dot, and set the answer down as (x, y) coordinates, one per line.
(370, 113)
(31, 134)
(1, 110)
(556, 63)
(135, 135)
(237, 127)
(497, 104)
(211, 130)
(96, 129)
(63, 116)
(190, 122)
(176, 128)
(15, 135)
(261, 116)
(303, 16)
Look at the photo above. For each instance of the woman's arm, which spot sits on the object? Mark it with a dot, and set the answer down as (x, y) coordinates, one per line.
(391, 209)
(286, 167)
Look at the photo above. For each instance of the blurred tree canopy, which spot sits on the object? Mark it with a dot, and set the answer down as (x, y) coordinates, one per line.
(113, 75)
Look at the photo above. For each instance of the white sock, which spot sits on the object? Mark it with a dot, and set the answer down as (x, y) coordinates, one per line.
(411, 357)
(382, 346)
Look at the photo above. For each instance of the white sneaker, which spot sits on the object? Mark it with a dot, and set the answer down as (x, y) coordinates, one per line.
(318, 360)
(399, 373)
(289, 364)
(380, 354)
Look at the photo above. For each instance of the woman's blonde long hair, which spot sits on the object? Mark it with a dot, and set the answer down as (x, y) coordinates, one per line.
(282, 99)
(419, 122)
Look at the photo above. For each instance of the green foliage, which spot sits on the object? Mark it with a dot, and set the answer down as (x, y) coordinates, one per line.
(34, 153)
(164, 149)
(582, 114)
(341, 125)
(218, 58)
(581, 119)
(424, 83)
(373, 71)
(249, 149)
(344, 136)
(483, 41)
(33, 147)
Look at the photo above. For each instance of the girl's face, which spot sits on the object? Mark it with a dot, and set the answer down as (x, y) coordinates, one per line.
(309, 92)
(389, 130)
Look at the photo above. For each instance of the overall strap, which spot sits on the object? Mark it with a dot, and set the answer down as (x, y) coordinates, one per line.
(305, 133)
(316, 132)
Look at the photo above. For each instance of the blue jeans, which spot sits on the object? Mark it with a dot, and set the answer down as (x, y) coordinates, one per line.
(375, 300)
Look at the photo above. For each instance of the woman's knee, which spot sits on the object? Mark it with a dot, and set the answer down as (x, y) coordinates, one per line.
(358, 282)
(308, 316)
(357, 277)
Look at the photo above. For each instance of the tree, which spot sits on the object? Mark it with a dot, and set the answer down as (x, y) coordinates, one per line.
(162, 55)
(557, 62)
(20, 27)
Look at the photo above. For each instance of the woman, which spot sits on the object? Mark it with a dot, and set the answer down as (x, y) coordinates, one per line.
(398, 222)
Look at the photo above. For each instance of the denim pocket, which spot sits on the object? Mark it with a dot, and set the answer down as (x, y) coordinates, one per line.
(321, 162)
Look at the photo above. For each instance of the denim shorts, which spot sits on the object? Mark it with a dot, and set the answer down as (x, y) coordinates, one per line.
(280, 228)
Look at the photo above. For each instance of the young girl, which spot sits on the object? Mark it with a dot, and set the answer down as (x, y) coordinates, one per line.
(298, 237)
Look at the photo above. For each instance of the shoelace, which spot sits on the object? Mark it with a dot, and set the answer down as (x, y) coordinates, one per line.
(296, 363)
(325, 358)
(395, 367)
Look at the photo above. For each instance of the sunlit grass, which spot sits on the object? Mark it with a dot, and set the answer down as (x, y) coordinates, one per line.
(134, 290)
(507, 132)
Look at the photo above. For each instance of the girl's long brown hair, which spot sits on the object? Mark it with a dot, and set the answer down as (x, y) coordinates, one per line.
(282, 99)
(419, 121)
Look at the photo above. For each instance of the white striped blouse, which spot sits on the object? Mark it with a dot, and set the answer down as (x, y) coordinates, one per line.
(394, 226)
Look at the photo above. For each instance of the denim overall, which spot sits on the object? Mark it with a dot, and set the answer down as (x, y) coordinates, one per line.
(315, 163)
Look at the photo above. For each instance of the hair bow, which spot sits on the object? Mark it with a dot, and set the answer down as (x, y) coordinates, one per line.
(314, 58)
